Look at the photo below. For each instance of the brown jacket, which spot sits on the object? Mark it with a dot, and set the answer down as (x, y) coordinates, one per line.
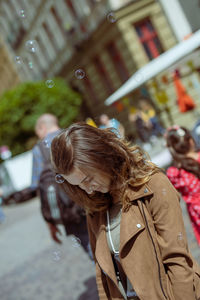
(153, 247)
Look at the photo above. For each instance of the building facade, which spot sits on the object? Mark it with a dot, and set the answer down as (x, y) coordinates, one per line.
(96, 45)
(126, 39)
(9, 76)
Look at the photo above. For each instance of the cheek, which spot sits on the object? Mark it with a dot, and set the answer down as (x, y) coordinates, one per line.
(106, 181)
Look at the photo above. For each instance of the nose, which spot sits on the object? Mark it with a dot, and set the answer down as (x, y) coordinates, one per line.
(87, 187)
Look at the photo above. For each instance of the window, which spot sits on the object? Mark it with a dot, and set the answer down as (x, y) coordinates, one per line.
(117, 61)
(103, 74)
(71, 7)
(50, 35)
(149, 38)
(58, 19)
(19, 38)
(42, 47)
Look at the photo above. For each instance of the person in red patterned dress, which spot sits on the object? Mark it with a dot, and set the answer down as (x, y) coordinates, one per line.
(185, 172)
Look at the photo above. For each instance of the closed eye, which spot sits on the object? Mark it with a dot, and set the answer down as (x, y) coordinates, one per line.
(89, 179)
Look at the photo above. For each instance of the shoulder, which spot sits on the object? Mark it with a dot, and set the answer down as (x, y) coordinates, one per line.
(102, 126)
(164, 193)
(36, 149)
(158, 178)
(114, 122)
(159, 182)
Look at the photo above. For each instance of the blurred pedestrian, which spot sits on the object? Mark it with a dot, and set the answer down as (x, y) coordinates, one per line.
(56, 206)
(148, 114)
(134, 216)
(105, 122)
(143, 128)
(185, 172)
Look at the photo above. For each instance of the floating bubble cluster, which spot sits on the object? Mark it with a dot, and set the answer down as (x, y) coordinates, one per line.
(46, 143)
(22, 14)
(59, 178)
(80, 74)
(30, 65)
(31, 46)
(56, 255)
(76, 242)
(111, 17)
(50, 83)
(18, 60)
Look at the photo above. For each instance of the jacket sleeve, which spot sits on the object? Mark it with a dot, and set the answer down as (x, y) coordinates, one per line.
(168, 221)
(100, 277)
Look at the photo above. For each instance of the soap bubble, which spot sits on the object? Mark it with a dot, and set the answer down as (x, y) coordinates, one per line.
(76, 242)
(180, 239)
(111, 17)
(59, 178)
(56, 255)
(22, 14)
(50, 83)
(46, 143)
(18, 60)
(30, 65)
(80, 74)
(31, 46)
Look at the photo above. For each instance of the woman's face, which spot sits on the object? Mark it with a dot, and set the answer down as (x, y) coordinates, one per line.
(89, 180)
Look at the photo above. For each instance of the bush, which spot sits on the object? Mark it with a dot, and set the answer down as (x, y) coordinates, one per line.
(20, 108)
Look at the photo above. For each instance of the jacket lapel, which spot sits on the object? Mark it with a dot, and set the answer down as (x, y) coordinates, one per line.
(102, 252)
(132, 221)
(130, 226)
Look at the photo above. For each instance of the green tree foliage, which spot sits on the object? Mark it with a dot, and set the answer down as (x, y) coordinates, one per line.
(20, 108)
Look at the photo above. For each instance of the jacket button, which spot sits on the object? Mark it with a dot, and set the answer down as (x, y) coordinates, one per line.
(146, 190)
(139, 225)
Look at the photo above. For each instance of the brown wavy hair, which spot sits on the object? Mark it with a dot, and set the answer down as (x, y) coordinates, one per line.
(84, 146)
(179, 144)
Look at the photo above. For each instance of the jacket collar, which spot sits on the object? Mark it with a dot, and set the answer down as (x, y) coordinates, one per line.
(135, 193)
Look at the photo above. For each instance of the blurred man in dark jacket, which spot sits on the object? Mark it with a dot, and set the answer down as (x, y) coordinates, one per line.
(64, 211)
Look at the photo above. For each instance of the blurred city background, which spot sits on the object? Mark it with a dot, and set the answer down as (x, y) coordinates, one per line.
(79, 59)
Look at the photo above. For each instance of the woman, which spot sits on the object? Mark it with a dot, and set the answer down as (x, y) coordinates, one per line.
(185, 172)
(134, 218)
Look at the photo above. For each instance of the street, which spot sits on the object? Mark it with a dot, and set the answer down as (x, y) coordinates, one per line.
(33, 267)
